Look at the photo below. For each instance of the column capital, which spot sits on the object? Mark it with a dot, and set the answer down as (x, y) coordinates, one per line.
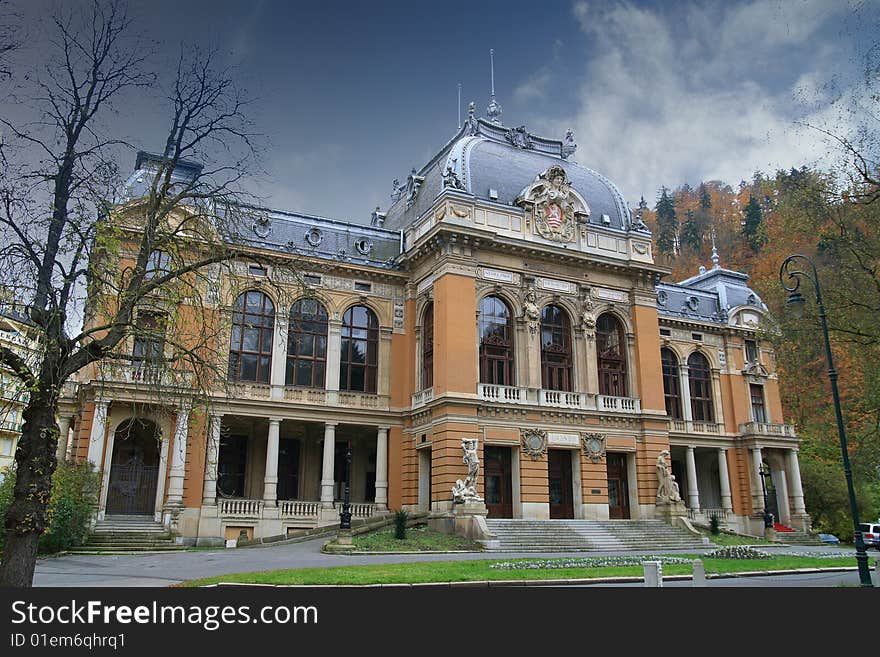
(275, 420)
(330, 424)
(383, 427)
(184, 407)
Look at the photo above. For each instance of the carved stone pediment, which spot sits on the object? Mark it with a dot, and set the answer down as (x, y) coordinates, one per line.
(756, 369)
(555, 206)
(534, 442)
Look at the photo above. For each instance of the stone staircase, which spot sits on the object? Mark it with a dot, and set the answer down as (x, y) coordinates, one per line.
(798, 538)
(588, 535)
(126, 534)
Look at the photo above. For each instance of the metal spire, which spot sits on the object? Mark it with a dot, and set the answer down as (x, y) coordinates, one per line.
(459, 105)
(493, 111)
(714, 252)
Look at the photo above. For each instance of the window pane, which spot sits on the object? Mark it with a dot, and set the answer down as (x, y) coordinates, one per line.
(248, 367)
(251, 339)
(320, 377)
(306, 345)
(321, 346)
(304, 373)
(358, 348)
(357, 378)
(265, 366)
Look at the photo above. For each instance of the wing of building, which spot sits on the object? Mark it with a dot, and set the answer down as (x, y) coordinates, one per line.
(507, 295)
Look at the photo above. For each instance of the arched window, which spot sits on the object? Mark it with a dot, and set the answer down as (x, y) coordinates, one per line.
(360, 350)
(555, 349)
(671, 385)
(611, 356)
(700, 382)
(496, 342)
(250, 346)
(428, 347)
(307, 344)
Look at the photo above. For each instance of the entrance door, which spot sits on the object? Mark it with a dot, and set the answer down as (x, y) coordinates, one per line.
(618, 490)
(288, 469)
(559, 466)
(499, 485)
(134, 469)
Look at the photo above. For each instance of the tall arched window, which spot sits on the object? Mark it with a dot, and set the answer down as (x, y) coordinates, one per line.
(671, 385)
(611, 356)
(496, 342)
(428, 347)
(250, 346)
(307, 344)
(555, 349)
(360, 350)
(700, 382)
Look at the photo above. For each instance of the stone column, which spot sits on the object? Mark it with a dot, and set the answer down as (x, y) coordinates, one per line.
(723, 476)
(279, 359)
(270, 480)
(591, 363)
(717, 406)
(780, 482)
(212, 452)
(99, 428)
(178, 458)
(327, 468)
(334, 352)
(693, 490)
(794, 481)
(685, 384)
(382, 469)
(757, 488)
(63, 436)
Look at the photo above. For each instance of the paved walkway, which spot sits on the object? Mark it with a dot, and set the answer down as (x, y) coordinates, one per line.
(164, 569)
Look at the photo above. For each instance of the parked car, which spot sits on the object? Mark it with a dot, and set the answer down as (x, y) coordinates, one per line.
(831, 539)
(871, 534)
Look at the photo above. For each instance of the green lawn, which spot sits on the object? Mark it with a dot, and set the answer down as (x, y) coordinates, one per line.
(736, 539)
(418, 539)
(479, 570)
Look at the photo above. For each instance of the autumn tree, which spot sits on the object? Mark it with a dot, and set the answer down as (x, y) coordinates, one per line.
(65, 218)
(667, 224)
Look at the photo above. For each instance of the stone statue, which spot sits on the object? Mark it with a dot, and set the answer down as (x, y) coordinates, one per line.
(530, 304)
(466, 490)
(667, 487)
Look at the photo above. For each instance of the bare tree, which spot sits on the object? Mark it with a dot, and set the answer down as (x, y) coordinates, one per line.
(69, 230)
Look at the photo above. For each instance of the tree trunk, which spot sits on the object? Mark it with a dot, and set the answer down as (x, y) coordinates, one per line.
(35, 462)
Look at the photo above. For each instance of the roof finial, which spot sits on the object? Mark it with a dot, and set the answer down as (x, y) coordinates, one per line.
(493, 111)
(714, 252)
(459, 105)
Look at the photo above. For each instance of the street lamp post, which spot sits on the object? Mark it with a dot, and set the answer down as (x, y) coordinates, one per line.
(768, 517)
(345, 516)
(798, 267)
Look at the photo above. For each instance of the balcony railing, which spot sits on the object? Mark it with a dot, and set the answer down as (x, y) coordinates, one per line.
(6, 425)
(240, 508)
(144, 374)
(299, 509)
(242, 390)
(305, 395)
(618, 404)
(694, 426)
(422, 397)
(562, 399)
(705, 515)
(767, 429)
(501, 394)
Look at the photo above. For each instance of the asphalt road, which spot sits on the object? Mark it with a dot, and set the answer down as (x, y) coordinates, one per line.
(165, 569)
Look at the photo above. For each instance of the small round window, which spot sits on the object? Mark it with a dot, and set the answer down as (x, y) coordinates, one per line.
(314, 237)
(364, 246)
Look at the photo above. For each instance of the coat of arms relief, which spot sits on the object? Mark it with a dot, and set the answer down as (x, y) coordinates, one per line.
(555, 207)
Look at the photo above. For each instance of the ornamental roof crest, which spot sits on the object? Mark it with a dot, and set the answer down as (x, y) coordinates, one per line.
(554, 205)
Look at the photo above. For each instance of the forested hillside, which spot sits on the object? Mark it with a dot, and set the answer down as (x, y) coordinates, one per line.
(833, 217)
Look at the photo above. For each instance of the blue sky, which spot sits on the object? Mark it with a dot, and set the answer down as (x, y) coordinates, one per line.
(353, 95)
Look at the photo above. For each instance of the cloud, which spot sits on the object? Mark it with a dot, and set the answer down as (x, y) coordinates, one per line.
(701, 92)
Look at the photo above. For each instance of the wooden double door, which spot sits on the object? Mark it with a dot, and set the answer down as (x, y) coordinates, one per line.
(560, 483)
(499, 481)
(618, 487)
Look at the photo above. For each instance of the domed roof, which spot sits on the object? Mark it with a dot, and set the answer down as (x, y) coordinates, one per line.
(496, 164)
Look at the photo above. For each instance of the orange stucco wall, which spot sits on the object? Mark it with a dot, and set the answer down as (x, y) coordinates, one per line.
(648, 368)
(455, 338)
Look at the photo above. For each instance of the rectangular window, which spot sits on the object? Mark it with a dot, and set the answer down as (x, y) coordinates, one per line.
(363, 287)
(751, 351)
(257, 270)
(149, 339)
(665, 333)
(759, 413)
(311, 279)
(697, 336)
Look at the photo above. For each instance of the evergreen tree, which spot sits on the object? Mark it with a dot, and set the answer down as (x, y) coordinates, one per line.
(692, 232)
(667, 224)
(753, 224)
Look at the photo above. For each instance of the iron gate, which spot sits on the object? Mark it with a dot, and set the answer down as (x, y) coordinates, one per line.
(132, 487)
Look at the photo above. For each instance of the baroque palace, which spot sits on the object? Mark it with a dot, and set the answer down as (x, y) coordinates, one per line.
(508, 296)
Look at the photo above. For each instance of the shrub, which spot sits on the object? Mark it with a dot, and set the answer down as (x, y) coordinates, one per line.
(714, 525)
(74, 495)
(736, 552)
(400, 518)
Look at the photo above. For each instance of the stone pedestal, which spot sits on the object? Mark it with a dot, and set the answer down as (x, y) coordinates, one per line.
(343, 537)
(464, 519)
(769, 534)
(668, 511)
